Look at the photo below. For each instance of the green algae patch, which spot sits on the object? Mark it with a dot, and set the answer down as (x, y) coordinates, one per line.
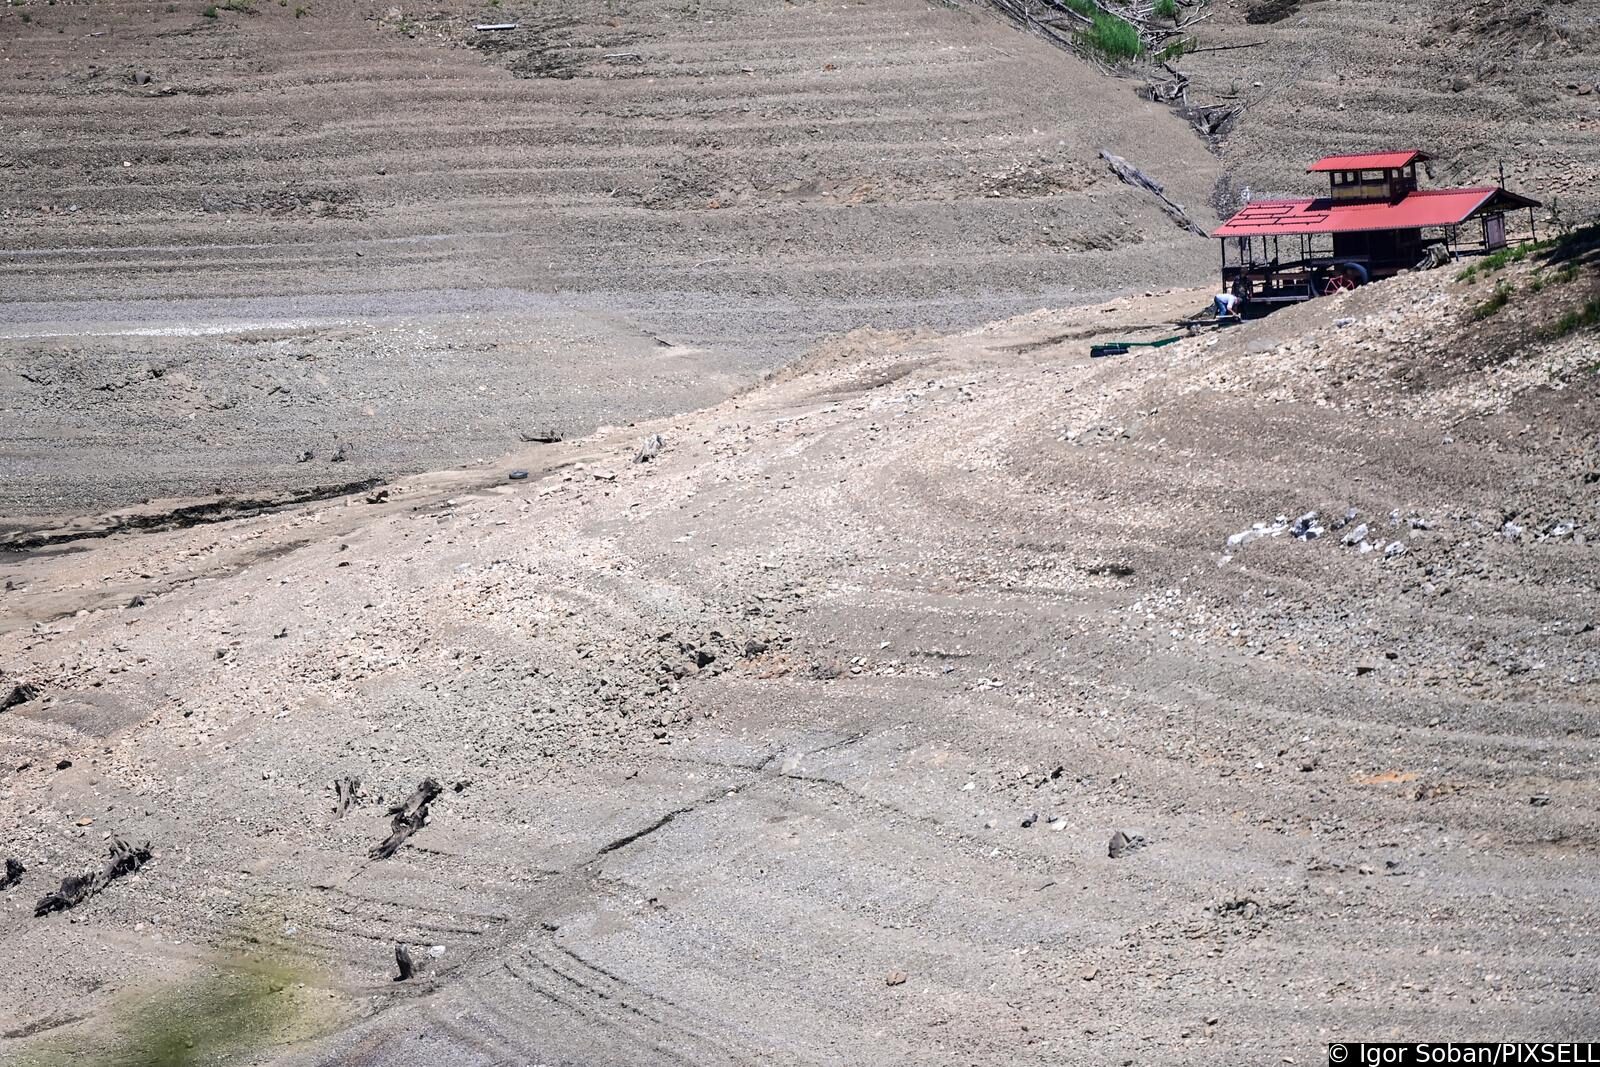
(238, 1010)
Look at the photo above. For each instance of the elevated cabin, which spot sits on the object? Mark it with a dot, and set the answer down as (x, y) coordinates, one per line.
(1375, 222)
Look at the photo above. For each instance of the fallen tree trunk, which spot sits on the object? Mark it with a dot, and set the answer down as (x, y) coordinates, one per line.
(1140, 180)
(409, 817)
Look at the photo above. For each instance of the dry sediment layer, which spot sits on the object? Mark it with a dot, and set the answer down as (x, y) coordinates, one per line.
(319, 224)
(804, 741)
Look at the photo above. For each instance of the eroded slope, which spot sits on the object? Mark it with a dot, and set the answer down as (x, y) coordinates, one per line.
(235, 240)
(803, 742)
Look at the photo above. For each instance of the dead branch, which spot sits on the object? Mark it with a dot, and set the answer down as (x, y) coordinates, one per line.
(122, 859)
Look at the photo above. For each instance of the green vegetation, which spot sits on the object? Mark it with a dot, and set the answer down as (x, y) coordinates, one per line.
(1167, 9)
(1577, 246)
(230, 1015)
(1504, 258)
(1177, 47)
(1498, 260)
(1113, 37)
(1499, 299)
(1584, 316)
(1564, 261)
(210, 12)
(1560, 277)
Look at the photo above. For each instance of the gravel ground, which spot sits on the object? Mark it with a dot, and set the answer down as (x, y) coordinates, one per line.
(806, 741)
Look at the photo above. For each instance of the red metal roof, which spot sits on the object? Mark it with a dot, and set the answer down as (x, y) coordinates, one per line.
(1368, 161)
(1426, 207)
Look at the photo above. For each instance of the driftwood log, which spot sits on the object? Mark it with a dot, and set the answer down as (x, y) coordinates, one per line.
(409, 817)
(1140, 180)
(122, 858)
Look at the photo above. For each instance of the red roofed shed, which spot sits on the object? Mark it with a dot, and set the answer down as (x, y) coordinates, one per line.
(1372, 222)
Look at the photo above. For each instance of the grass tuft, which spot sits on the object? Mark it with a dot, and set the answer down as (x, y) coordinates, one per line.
(1499, 299)
(1115, 38)
(1167, 9)
(1585, 316)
